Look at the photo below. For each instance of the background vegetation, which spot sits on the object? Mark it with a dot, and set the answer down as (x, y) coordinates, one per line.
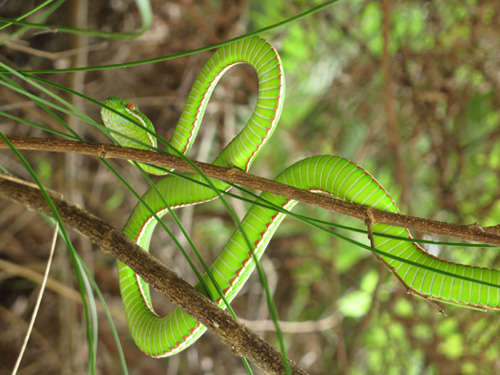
(423, 117)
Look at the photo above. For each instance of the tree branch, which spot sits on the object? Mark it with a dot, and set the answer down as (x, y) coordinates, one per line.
(474, 232)
(240, 339)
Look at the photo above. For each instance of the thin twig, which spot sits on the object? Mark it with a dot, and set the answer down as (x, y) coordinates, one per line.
(487, 235)
(307, 326)
(55, 286)
(18, 46)
(369, 220)
(240, 339)
(38, 301)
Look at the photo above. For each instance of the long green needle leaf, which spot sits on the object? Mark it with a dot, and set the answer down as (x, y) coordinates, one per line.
(188, 53)
(88, 301)
(144, 11)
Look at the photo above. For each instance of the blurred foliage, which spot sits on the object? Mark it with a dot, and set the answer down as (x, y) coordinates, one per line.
(444, 64)
(445, 61)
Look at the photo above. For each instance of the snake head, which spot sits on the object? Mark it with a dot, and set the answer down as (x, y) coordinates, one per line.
(130, 127)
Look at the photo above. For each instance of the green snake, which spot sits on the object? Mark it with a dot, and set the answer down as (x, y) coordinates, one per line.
(164, 336)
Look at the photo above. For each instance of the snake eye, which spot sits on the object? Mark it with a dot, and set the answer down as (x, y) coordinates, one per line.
(131, 106)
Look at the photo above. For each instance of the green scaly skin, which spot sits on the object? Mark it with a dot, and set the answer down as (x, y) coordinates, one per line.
(168, 335)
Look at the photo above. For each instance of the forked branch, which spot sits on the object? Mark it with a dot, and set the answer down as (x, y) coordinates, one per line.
(241, 340)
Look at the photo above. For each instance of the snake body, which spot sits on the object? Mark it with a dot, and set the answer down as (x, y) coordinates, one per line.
(164, 336)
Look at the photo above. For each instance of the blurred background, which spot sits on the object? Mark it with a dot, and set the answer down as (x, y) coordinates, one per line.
(407, 89)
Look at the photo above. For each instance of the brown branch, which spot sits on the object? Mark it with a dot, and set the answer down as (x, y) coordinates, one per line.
(240, 339)
(474, 232)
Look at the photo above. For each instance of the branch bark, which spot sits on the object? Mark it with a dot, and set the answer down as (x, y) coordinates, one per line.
(474, 232)
(240, 339)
